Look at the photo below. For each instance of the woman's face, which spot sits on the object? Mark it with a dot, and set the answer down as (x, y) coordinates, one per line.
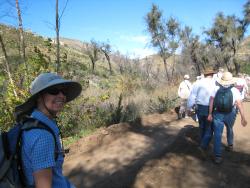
(54, 99)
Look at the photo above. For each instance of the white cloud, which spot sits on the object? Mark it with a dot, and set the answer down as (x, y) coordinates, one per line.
(134, 46)
(141, 52)
(138, 38)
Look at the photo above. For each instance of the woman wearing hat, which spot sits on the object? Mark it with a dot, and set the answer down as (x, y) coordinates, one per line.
(220, 118)
(49, 93)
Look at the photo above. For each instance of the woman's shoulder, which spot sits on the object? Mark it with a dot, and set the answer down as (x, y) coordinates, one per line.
(37, 135)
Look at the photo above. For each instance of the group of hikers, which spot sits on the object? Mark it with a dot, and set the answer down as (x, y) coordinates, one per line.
(215, 99)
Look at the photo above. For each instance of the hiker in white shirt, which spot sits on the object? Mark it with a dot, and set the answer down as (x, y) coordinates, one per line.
(242, 86)
(199, 98)
(184, 92)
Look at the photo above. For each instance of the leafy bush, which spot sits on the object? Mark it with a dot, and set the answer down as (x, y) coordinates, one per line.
(9, 101)
(128, 84)
(120, 113)
(162, 104)
(131, 113)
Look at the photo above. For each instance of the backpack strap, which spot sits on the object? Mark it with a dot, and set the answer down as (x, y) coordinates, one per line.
(6, 161)
(187, 85)
(5, 167)
(5, 143)
(32, 123)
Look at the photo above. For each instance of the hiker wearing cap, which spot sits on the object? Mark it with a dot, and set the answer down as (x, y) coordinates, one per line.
(199, 99)
(184, 92)
(223, 101)
(49, 93)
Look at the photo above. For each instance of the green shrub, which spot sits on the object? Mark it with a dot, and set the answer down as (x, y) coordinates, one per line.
(162, 104)
(9, 101)
(131, 113)
(120, 113)
(116, 112)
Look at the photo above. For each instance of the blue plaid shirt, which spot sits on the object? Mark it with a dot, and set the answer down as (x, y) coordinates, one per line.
(38, 152)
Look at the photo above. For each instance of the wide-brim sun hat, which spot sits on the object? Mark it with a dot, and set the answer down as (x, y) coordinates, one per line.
(208, 71)
(44, 81)
(227, 79)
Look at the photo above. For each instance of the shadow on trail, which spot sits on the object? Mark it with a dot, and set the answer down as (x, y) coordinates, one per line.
(233, 172)
(167, 141)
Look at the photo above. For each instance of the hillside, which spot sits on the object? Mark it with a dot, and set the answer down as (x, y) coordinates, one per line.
(32, 40)
(74, 44)
(244, 50)
(76, 51)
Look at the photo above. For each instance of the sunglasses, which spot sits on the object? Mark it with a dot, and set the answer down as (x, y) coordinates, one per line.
(55, 91)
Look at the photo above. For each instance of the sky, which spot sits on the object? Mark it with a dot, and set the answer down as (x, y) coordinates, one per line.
(121, 23)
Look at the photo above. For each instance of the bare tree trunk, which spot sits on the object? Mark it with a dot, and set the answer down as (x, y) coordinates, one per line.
(110, 67)
(166, 68)
(226, 60)
(21, 37)
(20, 26)
(197, 67)
(218, 62)
(93, 65)
(121, 68)
(198, 70)
(236, 66)
(108, 59)
(57, 40)
(173, 69)
(196, 63)
(7, 66)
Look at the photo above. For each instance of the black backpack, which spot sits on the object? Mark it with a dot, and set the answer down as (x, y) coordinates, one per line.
(223, 100)
(11, 174)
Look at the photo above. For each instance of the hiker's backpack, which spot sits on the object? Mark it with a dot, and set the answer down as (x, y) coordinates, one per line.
(11, 174)
(223, 100)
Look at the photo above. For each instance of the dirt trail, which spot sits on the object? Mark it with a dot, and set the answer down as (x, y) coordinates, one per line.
(156, 152)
